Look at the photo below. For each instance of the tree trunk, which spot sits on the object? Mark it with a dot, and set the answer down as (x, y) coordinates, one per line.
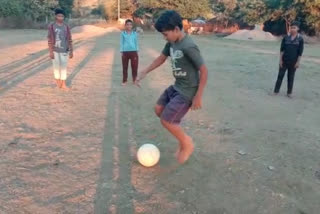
(287, 26)
(119, 9)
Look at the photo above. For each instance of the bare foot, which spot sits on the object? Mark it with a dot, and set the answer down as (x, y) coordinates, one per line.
(58, 83)
(186, 150)
(65, 88)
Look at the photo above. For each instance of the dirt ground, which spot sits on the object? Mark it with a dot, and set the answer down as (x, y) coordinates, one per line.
(74, 152)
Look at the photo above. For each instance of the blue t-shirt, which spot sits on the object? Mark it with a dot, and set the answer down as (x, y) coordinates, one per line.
(129, 41)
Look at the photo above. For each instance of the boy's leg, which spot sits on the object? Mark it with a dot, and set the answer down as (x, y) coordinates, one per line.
(63, 75)
(186, 144)
(161, 105)
(56, 68)
(282, 72)
(291, 74)
(158, 109)
(171, 117)
(134, 65)
(163, 100)
(125, 62)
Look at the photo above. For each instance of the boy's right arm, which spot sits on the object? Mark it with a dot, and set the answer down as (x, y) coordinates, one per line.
(121, 43)
(50, 42)
(155, 64)
(282, 52)
(281, 59)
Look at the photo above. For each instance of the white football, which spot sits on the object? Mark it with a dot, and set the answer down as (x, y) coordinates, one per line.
(148, 155)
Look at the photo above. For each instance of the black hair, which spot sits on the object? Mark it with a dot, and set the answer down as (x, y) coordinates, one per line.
(169, 20)
(59, 11)
(128, 21)
(295, 23)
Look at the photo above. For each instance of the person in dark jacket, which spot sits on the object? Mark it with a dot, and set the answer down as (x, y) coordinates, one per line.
(60, 48)
(291, 50)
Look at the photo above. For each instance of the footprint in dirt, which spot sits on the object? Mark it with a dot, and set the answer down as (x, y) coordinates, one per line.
(14, 142)
(317, 174)
(48, 85)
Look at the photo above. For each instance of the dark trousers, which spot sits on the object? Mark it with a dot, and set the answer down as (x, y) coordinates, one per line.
(133, 57)
(290, 66)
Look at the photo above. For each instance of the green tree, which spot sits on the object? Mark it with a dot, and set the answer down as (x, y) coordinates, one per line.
(66, 5)
(127, 8)
(38, 10)
(311, 9)
(283, 9)
(100, 11)
(187, 8)
(254, 11)
(110, 8)
(226, 10)
(193, 9)
(225, 7)
(10, 8)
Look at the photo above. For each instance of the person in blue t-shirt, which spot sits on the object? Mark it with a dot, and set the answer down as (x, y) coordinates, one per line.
(129, 50)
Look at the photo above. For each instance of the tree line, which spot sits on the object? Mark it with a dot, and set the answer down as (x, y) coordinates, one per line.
(36, 10)
(276, 15)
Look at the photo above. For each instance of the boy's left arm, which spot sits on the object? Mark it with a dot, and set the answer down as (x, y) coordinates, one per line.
(197, 100)
(137, 41)
(70, 43)
(194, 55)
(300, 52)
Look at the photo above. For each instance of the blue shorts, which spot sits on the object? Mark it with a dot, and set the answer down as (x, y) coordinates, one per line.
(175, 105)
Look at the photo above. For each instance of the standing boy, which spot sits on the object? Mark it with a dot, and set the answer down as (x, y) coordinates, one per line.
(60, 47)
(291, 52)
(129, 51)
(188, 89)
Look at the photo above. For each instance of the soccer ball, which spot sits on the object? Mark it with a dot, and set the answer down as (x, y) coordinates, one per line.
(148, 155)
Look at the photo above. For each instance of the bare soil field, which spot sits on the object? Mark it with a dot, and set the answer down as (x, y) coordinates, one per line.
(74, 152)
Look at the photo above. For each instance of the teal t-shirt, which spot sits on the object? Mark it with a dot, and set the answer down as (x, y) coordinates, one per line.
(186, 61)
(129, 41)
